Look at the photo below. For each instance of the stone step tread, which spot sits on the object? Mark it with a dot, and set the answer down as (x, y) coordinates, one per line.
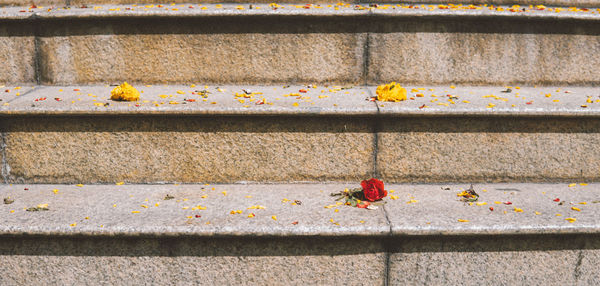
(297, 210)
(289, 9)
(303, 100)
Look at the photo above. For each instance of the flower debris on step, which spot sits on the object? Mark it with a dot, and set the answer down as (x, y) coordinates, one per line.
(370, 191)
(469, 195)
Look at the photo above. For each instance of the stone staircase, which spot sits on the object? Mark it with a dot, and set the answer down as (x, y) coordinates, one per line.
(252, 114)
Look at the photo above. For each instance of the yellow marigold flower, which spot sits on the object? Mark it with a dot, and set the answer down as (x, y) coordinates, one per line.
(125, 92)
(391, 92)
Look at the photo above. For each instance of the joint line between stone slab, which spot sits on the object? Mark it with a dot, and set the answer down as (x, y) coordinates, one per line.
(5, 167)
(37, 59)
(376, 128)
(366, 60)
(386, 274)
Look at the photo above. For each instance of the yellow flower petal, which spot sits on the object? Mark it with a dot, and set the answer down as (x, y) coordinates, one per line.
(125, 92)
(391, 92)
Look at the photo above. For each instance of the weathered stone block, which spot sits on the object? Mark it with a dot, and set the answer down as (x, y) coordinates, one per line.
(438, 50)
(218, 50)
(187, 149)
(488, 149)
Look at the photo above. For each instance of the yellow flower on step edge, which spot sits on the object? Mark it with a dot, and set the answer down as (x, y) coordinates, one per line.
(391, 92)
(125, 92)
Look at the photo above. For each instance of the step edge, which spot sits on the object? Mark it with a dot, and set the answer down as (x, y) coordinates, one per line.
(14, 13)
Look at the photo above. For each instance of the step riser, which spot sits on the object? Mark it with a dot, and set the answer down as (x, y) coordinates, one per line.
(497, 260)
(549, 260)
(273, 49)
(147, 149)
(188, 149)
(185, 261)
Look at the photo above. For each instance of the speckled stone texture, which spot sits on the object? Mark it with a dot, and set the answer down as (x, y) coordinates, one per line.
(28, 3)
(17, 52)
(187, 149)
(483, 51)
(495, 260)
(488, 149)
(566, 3)
(209, 50)
(183, 261)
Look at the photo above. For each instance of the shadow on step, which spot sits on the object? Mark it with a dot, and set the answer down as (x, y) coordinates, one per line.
(187, 246)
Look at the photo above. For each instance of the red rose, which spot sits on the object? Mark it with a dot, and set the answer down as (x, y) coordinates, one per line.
(373, 190)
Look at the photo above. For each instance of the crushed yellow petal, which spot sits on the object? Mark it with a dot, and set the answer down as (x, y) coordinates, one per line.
(518, 210)
(538, 213)
(576, 209)
(274, 217)
(572, 185)
(463, 220)
(570, 219)
(120, 183)
(391, 92)
(125, 92)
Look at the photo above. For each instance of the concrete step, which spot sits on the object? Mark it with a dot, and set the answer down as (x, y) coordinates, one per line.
(419, 3)
(103, 234)
(75, 134)
(332, 44)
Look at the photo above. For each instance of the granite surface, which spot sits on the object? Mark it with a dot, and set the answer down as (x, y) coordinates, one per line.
(495, 260)
(201, 49)
(516, 209)
(184, 134)
(185, 261)
(329, 44)
(416, 3)
(90, 235)
(279, 210)
(410, 210)
(301, 100)
(195, 99)
(187, 149)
